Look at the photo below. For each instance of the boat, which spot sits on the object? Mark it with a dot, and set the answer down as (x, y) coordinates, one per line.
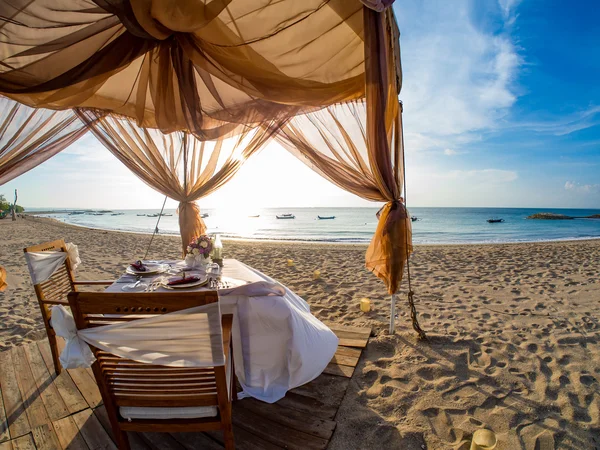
(286, 216)
(204, 216)
(141, 215)
(325, 217)
(105, 211)
(117, 214)
(166, 215)
(151, 215)
(495, 220)
(414, 218)
(254, 217)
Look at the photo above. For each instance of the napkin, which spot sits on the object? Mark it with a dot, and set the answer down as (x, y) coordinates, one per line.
(181, 280)
(139, 266)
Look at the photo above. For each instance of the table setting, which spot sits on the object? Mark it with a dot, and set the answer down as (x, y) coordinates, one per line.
(277, 343)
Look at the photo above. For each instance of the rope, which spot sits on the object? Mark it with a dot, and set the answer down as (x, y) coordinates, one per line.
(411, 294)
(156, 228)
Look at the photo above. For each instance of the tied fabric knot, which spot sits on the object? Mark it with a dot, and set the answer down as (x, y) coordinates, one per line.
(77, 352)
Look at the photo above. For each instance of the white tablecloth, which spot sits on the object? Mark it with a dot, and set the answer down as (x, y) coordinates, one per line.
(278, 344)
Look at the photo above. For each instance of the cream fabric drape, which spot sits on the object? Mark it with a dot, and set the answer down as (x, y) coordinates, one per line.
(359, 147)
(178, 164)
(187, 338)
(29, 136)
(198, 65)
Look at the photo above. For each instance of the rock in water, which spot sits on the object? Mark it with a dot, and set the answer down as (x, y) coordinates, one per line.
(550, 216)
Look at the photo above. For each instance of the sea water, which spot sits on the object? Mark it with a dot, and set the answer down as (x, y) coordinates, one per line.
(357, 225)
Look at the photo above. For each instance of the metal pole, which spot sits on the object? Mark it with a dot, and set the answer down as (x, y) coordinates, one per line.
(393, 315)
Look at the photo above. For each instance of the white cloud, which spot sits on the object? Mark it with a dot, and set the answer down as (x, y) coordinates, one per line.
(458, 78)
(582, 188)
(451, 152)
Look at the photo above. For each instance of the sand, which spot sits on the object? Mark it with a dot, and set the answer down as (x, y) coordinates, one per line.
(514, 333)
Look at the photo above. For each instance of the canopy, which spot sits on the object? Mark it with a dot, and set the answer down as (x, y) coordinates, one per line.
(217, 70)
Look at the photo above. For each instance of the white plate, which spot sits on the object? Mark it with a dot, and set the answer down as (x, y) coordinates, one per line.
(187, 285)
(150, 269)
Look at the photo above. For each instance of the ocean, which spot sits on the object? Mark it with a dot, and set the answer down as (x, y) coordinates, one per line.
(356, 225)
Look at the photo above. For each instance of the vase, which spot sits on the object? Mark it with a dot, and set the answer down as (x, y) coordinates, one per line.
(201, 262)
(190, 261)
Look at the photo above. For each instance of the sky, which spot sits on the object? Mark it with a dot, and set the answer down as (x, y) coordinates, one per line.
(501, 109)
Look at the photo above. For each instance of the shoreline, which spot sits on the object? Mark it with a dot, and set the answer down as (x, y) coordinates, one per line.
(324, 242)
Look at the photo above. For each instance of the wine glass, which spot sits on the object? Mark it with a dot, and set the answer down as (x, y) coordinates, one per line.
(137, 286)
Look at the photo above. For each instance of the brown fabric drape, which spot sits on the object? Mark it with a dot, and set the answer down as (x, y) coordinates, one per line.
(359, 147)
(29, 136)
(178, 164)
(208, 66)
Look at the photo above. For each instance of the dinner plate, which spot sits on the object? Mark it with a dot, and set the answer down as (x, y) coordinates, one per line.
(151, 269)
(200, 282)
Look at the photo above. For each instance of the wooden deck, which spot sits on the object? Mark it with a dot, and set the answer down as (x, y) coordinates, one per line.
(41, 411)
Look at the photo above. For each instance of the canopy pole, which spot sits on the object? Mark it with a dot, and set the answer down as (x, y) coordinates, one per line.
(393, 315)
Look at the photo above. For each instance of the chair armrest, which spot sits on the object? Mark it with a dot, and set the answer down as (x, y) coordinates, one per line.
(94, 283)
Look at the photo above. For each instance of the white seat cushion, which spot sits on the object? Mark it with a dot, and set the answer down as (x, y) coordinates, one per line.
(185, 412)
(189, 412)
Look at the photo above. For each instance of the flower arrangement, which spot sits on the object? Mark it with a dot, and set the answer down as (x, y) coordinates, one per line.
(200, 246)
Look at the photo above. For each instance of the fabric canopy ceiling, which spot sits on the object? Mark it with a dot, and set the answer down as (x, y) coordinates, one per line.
(198, 65)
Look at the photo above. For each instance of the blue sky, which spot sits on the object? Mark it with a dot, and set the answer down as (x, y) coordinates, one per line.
(501, 108)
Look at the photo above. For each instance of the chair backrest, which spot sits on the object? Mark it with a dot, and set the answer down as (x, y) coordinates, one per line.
(56, 288)
(130, 383)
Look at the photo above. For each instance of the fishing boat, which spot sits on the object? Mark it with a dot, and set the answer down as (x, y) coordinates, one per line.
(151, 215)
(286, 216)
(117, 214)
(325, 217)
(105, 211)
(414, 218)
(166, 215)
(204, 216)
(142, 215)
(494, 220)
(254, 217)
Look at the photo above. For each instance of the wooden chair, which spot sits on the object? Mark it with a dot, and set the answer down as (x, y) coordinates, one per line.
(54, 291)
(148, 389)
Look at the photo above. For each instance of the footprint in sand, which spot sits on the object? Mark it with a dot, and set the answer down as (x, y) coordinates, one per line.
(544, 441)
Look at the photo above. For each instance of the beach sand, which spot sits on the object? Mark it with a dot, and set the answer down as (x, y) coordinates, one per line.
(514, 332)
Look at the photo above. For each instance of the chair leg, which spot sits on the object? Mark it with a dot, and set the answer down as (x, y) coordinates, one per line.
(228, 438)
(54, 350)
(121, 439)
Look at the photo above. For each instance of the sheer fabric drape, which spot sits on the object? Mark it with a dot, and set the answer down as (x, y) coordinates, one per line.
(178, 164)
(29, 136)
(359, 147)
(204, 66)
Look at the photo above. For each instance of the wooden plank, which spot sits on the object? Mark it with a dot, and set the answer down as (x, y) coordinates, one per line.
(53, 402)
(68, 434)
(348, 351)
(69, 393)
(92, 430)
(4, 434)
(291, 418)
(23, 443)
(87, 386)
(340, 371)
(326, 388)
(45, 438)
(343, 360)
(308, 405)
(193, 441)
(34, 406)
(244, 440)
(347, 342)
(276, 433)
(6, 445)
(350, 332)
(160, 441)
(16, 418)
